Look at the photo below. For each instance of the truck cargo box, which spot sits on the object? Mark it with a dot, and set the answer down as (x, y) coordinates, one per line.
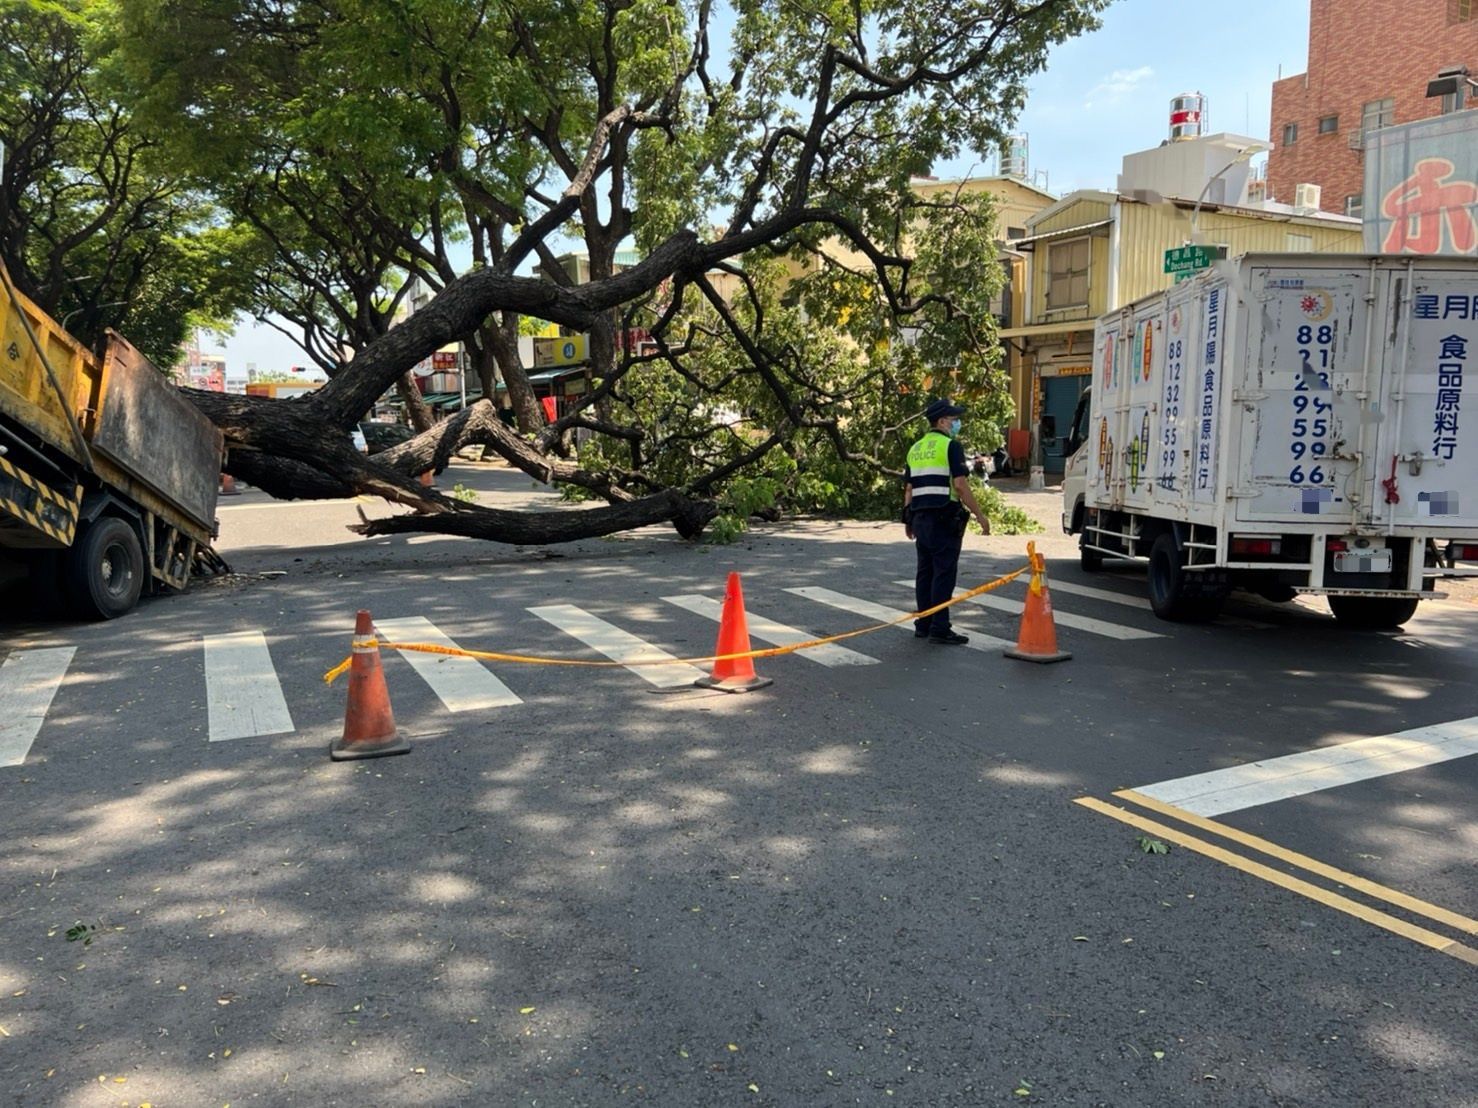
(1295, 390)
(1318, 400)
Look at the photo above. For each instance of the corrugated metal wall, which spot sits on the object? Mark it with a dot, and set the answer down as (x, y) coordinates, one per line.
(1148, 230)
(1074, 215)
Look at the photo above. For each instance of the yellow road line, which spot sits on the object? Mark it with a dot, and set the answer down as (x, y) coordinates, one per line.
(1313, 865)
(1431, 939)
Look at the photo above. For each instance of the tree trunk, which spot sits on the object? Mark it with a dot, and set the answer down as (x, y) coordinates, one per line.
(537, 528)
(415, 406)
(480, 424)
(288, 449)
(295, 431)
(502, 340)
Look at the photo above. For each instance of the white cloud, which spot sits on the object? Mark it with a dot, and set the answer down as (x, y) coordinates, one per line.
(1119, 83)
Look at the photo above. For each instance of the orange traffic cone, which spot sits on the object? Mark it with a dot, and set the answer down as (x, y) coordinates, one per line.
(1037, 641)
(369, 724)
(228, 485)
(733, 674)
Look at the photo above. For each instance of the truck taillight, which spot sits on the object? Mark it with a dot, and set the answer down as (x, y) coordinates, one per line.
(1464, 552)
(1256, 547)
(1336, 546)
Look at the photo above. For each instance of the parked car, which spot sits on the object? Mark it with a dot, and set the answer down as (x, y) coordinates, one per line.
(374, 435)
(381, 435)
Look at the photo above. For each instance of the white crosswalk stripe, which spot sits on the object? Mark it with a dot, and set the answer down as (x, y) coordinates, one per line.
(462, 684)
(1246, 786)
(1107, 595)
(1064, 619)
(29, 680)
(243, 698)
(1142, 603)
(1111, 596)
(618, 645)
(882, 613)
(777, 634)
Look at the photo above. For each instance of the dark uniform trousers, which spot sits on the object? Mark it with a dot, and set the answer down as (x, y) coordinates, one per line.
(938, 537)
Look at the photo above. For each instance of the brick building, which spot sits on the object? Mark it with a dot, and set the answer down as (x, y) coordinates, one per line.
(1369, 65)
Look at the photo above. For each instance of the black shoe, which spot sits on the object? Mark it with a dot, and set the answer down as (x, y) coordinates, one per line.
(950, 638)
(921, 632)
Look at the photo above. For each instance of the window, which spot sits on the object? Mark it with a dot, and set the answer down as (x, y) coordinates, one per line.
(1461, 11)
(1355, 205)
(1000, 305)
(1290, 133)
(1377, 114)
(1454, 101)
(1067, 274)
(1016, 232)
(1328, 124)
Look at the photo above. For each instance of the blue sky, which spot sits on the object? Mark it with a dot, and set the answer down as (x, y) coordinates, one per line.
(1102, 96)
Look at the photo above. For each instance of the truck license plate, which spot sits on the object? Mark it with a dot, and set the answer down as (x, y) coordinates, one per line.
(1362, 561)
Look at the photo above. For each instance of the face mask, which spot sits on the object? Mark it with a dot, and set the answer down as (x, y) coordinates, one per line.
(954, 428)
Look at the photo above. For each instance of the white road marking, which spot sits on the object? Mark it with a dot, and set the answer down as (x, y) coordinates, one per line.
(462, 684)
(243, 698)
(777, 634)
(619, 646)
(29, 680)
(1092, 593)
(1142, 603)
(1246, 786)
(882, 613)
(1065, 619)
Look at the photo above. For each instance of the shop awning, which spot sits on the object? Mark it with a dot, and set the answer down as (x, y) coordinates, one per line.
(1042, 330)
(1064, 232)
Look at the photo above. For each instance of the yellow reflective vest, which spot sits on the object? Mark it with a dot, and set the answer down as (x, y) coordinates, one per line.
(928, 471)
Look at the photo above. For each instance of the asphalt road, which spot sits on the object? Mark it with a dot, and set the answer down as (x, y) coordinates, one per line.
(871, 883)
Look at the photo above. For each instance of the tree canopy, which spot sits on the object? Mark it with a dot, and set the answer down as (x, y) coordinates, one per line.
(97, 224)
(801, 300)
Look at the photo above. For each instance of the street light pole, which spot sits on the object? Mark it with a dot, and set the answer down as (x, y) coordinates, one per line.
(90, 308)
(1245, 154)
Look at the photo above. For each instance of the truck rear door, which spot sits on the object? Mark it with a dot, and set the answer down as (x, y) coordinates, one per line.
(1426, 450)
(1298, 410)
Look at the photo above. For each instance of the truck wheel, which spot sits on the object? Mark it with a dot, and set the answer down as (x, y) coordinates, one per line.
(1172, 595)
(1372, 613)
(105, 569)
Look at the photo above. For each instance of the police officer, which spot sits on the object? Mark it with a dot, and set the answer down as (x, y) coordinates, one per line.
(936, 495)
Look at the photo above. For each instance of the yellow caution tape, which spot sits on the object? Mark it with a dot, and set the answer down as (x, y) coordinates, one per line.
(339, 670)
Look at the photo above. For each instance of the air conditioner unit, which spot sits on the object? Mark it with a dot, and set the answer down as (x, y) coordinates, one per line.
(1307, 196)
(1356, 140)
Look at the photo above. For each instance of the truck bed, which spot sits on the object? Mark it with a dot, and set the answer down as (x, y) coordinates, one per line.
(142, 437)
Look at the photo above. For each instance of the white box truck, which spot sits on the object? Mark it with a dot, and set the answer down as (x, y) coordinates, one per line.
(1286, 423)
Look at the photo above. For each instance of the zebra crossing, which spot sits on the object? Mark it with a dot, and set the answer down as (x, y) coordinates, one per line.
(245, 699)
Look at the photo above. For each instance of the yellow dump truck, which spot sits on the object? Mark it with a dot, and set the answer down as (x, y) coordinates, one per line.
(108, 476)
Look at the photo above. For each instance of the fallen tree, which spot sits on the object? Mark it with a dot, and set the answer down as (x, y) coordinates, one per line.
(805, 139)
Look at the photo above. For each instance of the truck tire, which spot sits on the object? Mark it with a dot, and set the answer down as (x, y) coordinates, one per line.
(1372, 613)
(1173, 595)
(105, 569)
